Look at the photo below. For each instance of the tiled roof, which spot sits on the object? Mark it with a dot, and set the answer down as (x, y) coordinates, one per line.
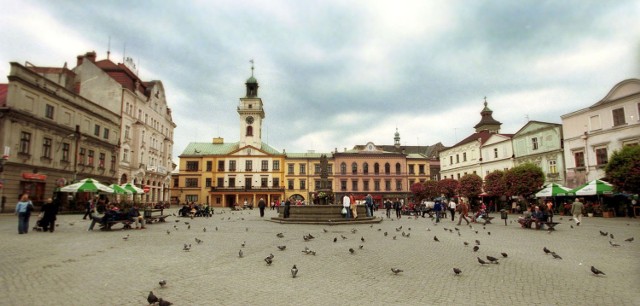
(308, 155)
(483, 135)
(4, 89)
(416, 156)
(208, 148)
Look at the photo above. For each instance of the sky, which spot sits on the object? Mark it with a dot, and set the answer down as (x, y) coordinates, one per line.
(335, 74)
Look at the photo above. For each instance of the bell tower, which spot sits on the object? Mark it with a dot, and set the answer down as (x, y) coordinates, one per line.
(251, 114)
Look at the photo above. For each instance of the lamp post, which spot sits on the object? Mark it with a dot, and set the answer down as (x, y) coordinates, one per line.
(75, 159)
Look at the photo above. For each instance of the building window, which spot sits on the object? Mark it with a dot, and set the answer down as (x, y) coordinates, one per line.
(192, 165)
(290, 168)
(105, 133)
(232, 182)
(365, 185)
(290, 184)
(221, 165)
(191, 198)
(387, 185)
(303, 184)
(249, 131)
(365, 168)
(412, 169)
(46, 148)
(209, 165)
(48, 111)
(451, 160)
(96, 131)
(387, 168)
(265, 165)
(125, 155)
(398, 185)
(264, 182)
(618, 116)
(376, 185)
(354, 168)
(127, 132)
(354, 185)
(457, 158)
(317, 184)
(25, 143)
(220, 182)
(579, 159)
(343, 185)
(276, 165)
(81, 158)
(65, 152)
(90, 159)
(343, 168)
(376, 168)
(232, 165)
(276, 182)
(316, 168)
(303, 169)
(495, 152)
(176, 182)
(398, 168)
(207, 182)
(464, 156)
(534, 143)
(102, 157)
(553, 168)
(191, 182)
(601, 156)
(113, 162)
(421, 169)
(248, 165)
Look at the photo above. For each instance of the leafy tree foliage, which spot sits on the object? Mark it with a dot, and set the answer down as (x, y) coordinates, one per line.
(417, 189)
(494, 184)
(470, 185)
(448, 187)
(623, 169)
(523, 180)
(431, 189)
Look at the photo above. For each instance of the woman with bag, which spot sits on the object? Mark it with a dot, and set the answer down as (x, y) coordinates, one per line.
(23, 210)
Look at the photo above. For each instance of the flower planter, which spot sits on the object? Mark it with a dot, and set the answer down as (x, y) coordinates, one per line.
(590, 215)
(608, 214)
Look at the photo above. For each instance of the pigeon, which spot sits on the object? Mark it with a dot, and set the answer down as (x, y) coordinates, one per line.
(547, 251)
(189, 227)
(362, 239)
(282, 247)
(603, 233)
(505, 255)
(216, 228)
(243, 244)
(351, 250)
(396, 271)
(177, 221)
(240, 254)
(198, 241)
(596, 271)
(186, 247)
(613, 244)
(457, 271)
(162, 283)
(71, 223)
(306, 250)
(305, 238)
(556, 256)
(446, 229)
(457, 230)
(353, 230)
(404, 234)
(476, 232)
(268, 260)
(428, 229)
(294, 271)
(385, 234)
(571, 226)
(394, 237)
(611, 235)
(629, 239)
(435, 238)
(280, 235)
(335, 239)
(125, 238)
(204, 229)
(476, 248)
(466, 243)
(168, 232)
(152, 298)
(409, 234)
(477, 242)
(482, 262)
(324, 230)
(492, 259)
(361, 246)
(343, 237)
(489, 233)
(162, 302)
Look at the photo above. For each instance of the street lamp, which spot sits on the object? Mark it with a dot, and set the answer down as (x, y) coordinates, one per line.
(75, 159)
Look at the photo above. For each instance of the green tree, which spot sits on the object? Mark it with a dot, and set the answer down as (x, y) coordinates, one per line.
(523, 180)
(623, 169)
(494, 184)
(470, 186)
(448, 187)
(431, 189)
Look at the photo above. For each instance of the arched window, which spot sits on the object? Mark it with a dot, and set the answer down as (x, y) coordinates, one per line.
(376, 168)
(365, 168)
(387, 168)
(249, 130)
(343, 168)
(398, 170)
(354, 168)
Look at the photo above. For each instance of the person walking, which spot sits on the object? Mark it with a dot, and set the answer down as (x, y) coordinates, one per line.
(23, 211)
(368, 202)
(387, 206)
(261, 206)
(49, 214)
(437, 208)
(576, 211)
(398, 207)
(354, 206)
(346, 206)
(452, 209)
(463, 210)
(88, 207)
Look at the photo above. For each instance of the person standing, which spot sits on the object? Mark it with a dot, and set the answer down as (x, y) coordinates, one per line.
(23, 211)
(49, 213)
(354, 206)
(576, 211)
(346, 206)
(368, 202)
(437, 208)
(549, 210)
(452, 209)
(398, 207)
(261, 206)
(88, 207)
(387, 206)
(287, 207)
(463, 209)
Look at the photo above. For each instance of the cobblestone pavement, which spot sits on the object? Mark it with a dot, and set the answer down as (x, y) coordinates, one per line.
(73, 266)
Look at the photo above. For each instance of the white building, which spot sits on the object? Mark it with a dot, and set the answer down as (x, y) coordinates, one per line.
(497, 154)
(540, 143)
(592, 134)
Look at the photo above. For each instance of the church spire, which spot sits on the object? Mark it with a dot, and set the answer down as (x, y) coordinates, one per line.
(252, 84)
(396, 139)
(487, 123)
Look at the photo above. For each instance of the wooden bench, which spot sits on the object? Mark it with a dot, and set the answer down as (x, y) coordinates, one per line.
(149, 216)
(551, 225)
(109, 224)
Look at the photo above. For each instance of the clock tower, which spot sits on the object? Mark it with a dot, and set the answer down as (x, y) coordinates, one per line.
(251, 114)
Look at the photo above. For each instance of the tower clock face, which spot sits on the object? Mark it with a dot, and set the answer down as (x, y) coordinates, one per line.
(249, 120)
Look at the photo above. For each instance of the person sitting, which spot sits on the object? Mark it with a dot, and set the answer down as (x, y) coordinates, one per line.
(111, 214)
(525, 219)
(538, 217)
(136, 217)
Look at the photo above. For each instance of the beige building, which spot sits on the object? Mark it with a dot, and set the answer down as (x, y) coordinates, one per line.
(50, 135)
(540, 143)
(146, 137)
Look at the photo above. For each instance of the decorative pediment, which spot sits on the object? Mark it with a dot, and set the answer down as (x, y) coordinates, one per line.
(249, 151)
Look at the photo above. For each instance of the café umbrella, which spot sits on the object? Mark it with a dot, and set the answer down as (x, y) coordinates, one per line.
(119, 190)
(552, 190)
(132, 188)
(87, 185)
(595, 187)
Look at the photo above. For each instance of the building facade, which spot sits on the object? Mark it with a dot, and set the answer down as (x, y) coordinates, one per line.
(540, 143)
(51, 135)
(592, 134)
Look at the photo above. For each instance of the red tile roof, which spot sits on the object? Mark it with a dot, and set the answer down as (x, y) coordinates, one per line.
(4, 89)
(123, 75)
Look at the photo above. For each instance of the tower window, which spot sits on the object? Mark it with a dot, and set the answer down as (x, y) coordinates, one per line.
(249, 131)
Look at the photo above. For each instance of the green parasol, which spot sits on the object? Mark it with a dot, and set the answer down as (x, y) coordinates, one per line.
(595, 187)
(552, 190)
(87, 185)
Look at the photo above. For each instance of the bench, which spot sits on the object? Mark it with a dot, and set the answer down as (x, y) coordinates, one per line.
(149, 216)
(109, 224)
(551, 225)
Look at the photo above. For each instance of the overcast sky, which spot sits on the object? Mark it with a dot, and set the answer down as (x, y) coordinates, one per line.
(334, 74)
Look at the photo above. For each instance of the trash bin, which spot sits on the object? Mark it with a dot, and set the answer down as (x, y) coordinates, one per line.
(147, 213)
(504, 215)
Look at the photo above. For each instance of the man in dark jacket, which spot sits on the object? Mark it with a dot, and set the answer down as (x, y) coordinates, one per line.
(262, 205)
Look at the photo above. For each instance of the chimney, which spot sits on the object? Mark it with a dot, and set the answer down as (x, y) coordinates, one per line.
(79, 62)
(91, 56)
(218, 140)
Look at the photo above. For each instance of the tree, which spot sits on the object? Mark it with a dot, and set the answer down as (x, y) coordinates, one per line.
(523, 180)
(623, 169)
(448, 187)
(417, 189)
(470, 185)
(494, 184)
(431, 189)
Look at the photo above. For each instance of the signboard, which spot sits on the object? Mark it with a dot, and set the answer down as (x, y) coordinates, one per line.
(34, 176)
(146, 188)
